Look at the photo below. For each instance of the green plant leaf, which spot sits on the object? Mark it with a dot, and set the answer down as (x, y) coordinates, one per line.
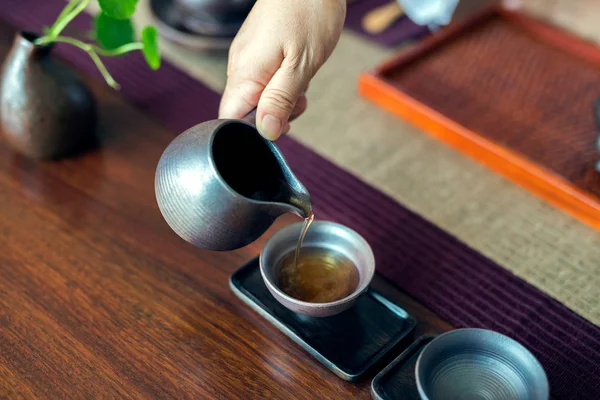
(150, 50)
(112, 33)
(119, 9)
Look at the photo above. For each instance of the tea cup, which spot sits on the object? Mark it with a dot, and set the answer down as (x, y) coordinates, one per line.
(322, 235)
(479, 364)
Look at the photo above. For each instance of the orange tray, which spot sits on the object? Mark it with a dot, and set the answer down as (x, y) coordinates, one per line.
(514, 93)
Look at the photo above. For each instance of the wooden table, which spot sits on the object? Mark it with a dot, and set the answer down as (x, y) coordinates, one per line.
(100, 299)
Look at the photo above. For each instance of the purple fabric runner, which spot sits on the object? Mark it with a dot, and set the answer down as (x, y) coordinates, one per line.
(458, 283)
(402, 30)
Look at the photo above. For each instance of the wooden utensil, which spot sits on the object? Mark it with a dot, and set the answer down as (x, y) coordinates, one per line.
(381, 18)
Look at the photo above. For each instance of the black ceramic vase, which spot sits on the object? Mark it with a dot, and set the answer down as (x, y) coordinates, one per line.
(46, 111)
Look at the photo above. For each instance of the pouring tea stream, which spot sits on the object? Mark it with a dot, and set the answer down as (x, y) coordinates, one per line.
(220, 185)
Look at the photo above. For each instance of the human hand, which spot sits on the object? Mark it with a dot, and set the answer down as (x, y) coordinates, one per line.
(278, 50)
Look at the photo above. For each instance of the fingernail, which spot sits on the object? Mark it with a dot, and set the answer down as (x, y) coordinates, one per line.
(270, 127)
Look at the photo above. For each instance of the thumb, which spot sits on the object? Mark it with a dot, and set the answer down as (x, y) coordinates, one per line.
(278, 100)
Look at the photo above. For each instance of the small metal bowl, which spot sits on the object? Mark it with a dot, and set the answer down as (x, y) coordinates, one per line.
(321, 234)
(479, 364)
(217, 18)
(170, 22)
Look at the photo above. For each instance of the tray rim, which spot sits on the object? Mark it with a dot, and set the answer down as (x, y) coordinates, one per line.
(417, 345)
(253, 303)
(514, 166)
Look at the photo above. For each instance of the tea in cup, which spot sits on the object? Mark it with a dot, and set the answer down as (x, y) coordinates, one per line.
(334, 267)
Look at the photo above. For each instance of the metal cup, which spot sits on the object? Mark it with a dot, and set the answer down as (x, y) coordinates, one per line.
(479, 364)
(321, 234)
(214, 18)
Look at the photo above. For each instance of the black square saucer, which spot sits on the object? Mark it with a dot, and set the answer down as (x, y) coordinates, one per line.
(397, 381)
(348, 343)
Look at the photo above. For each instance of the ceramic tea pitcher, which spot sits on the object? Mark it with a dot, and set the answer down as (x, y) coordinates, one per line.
(220, 185)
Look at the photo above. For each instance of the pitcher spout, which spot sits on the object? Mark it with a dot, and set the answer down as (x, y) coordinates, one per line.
(302, 205)
(298, 197)
(293, 191)
(297, 205)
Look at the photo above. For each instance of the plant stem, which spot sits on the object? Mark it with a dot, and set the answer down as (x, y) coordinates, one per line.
(68, 8)
(71, 10)
(67, 17)
(88, 48)
(107, 76)
(126, 48)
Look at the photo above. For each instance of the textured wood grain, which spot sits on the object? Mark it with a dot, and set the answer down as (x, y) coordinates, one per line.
(100, 299)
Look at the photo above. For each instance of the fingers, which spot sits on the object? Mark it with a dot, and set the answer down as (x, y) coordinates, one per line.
(249, 70)
(239, 98)
(281, 100)
(242, 95)
(279, 48)
(300, 107)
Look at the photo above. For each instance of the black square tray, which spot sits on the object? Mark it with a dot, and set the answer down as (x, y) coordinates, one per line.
(348, 343)
(397, 381)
